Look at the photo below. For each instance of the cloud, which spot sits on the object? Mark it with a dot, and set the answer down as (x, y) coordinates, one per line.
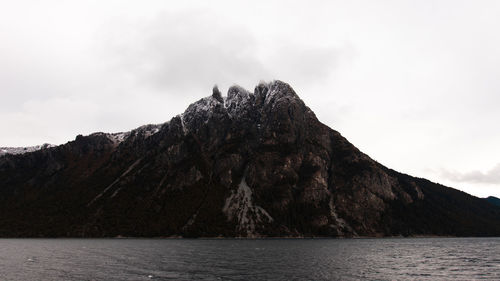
(490, 177)
(130, 69)
(304, 64)
(194, 49)
(426, 88)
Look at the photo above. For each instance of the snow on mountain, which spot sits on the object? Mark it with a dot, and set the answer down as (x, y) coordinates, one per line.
(22, 150)
(145, 131)
(246, 165)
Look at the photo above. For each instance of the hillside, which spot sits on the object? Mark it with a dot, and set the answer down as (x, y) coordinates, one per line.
(249, 164)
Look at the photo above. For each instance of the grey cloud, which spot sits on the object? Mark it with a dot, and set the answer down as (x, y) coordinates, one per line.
(305, 64)
(184, 51)
(23, 80)
(194, 49)
(490, 177)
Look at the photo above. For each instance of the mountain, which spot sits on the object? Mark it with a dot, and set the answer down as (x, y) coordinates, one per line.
(21, 150)
(493, 200)
(249, 164)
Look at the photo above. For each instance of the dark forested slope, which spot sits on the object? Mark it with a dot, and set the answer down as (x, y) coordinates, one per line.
(249, 164)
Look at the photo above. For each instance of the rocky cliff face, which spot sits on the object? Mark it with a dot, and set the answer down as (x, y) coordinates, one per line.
(249, 164)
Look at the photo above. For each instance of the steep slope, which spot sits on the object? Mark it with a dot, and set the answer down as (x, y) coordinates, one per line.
(249, 164)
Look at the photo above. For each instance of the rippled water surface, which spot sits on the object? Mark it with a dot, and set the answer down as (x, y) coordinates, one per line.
(270, 259)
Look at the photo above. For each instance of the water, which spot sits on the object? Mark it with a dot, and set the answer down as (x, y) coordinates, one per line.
(271, 259)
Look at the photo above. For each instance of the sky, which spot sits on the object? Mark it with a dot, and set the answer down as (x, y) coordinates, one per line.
(413, 84)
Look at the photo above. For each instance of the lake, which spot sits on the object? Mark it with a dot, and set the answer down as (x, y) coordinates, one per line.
(261, 259)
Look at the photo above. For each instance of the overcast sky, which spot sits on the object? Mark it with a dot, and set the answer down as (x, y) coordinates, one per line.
(414, 84)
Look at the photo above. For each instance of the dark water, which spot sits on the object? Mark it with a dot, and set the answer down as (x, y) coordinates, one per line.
(274, 259)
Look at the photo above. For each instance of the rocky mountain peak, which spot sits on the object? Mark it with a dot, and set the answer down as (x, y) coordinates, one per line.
(216, 94)
(241, 104)
(278, 91)
(247, 164)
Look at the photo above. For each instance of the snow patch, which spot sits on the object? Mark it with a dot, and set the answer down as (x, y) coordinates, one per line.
(151, 131)
(22, 150)
(184, 129)
(201, 106)
(200, 111)
(238, 100)
(239, 205)
(117, 138)
(146, 131)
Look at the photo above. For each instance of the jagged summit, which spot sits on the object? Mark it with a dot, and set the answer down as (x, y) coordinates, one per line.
(237, 102)
(216, 94)
(245, 164)
(240, 104)
(264, 93)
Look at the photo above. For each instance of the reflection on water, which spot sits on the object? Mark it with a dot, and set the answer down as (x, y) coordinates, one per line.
(269, 259)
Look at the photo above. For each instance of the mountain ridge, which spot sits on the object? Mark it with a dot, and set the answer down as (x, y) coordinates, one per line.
(493, 200)
(245, 165)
